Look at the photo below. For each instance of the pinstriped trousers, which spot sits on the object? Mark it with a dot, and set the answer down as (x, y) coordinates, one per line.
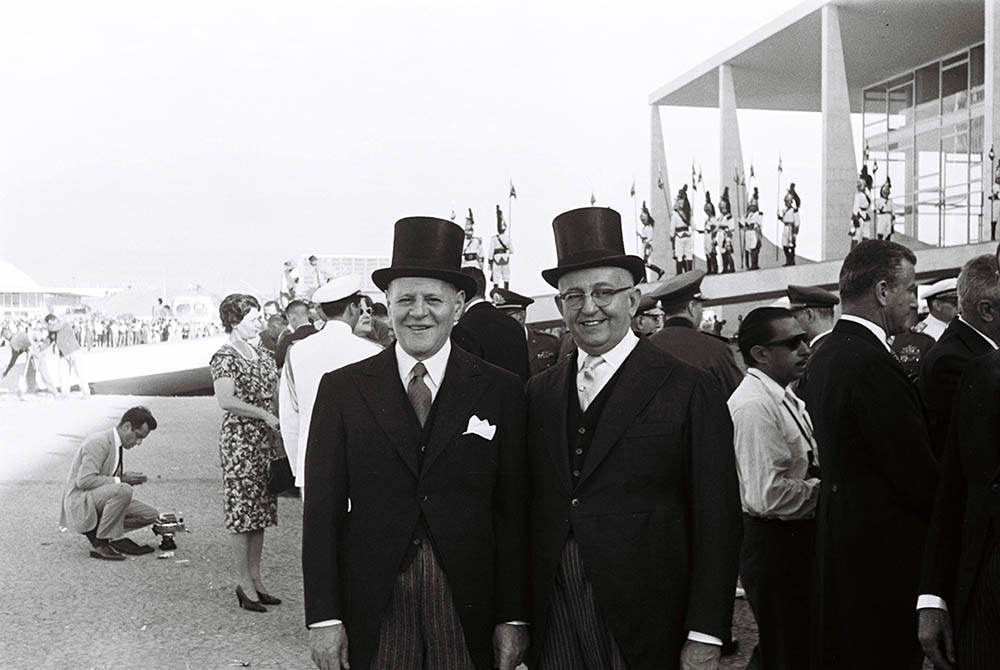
(977, 644)
(421, 627)
(578, 638)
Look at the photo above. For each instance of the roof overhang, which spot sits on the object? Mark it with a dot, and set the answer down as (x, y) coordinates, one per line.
(778, 66)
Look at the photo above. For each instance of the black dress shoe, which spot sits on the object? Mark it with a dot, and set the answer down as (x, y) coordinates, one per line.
(106, 552)
(246, 603)
(127, 546)
(268, 599)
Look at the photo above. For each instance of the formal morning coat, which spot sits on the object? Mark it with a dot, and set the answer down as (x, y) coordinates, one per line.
(470, 492)
(656, 510)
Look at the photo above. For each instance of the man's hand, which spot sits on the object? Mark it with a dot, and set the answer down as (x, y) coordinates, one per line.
(133, 478)
(700, 656)
(509, 644)
(934, 632)
(328, 645)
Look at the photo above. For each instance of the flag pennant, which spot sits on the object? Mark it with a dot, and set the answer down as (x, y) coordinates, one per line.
(700, 182)
(513, 193)
(752, 175)
(632, 190)
(452, 214)
(694, 178)
(659, 178)
(779, 163)
(593, 198)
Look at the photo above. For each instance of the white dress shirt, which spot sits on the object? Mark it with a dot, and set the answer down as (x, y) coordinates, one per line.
(773, 437)
(117, 439)
(435, 366)
(306, 362)
(934, 327)
(981, 333)
(812, 342)
(876, 329)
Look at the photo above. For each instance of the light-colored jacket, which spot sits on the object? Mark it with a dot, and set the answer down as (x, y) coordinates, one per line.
(93, 466)
(307, 361)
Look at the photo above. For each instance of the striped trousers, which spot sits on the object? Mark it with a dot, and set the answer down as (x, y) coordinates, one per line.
(977, 644)
(421, 627)
(577, 636)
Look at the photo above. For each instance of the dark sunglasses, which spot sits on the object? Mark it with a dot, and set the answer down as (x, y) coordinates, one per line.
(792, 343)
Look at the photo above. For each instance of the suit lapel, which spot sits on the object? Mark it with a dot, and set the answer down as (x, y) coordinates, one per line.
(972, 340)
(555, 408)
(464, 383)
(640, 377)
(381, 389)
(992, 456)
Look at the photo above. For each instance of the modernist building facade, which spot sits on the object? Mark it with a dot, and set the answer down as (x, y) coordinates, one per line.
(924, 76)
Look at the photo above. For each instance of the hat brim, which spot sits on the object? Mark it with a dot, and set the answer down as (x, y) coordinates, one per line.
(463, 282)
(635, 265)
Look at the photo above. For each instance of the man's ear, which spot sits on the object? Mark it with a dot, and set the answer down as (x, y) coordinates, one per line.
(984, 308)
(881, 290)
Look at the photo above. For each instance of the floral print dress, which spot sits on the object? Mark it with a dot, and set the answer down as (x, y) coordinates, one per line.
(244, 442)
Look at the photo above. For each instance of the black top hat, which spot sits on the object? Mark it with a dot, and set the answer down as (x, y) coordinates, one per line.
(424, 246)
(591, 237)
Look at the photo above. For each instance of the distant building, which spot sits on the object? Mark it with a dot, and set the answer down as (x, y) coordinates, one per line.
(22, 296)
(328, 266)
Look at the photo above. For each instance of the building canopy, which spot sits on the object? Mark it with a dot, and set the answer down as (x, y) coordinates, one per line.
(778, 66)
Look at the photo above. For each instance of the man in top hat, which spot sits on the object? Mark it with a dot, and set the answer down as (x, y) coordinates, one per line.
(814, 308)
(911, 346)
(414, 534)
(636, 516)
(682, 303)
(309, 359)
(483, 331)
(973, 333)
(543, 348)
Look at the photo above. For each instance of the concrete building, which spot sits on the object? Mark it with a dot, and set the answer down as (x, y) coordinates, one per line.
(22, 296)
(923, 75)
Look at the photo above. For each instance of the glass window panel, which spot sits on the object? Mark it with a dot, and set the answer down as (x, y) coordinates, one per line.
(977, 66)
(957, 58)
(900, 106)
(927, 83)
(954, 88)
(976, 135)
(899, 81)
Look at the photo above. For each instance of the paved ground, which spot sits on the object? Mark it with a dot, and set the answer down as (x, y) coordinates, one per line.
(63, 609)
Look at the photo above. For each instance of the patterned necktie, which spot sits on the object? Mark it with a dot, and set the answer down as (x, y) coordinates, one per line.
(586, 380)
(419, 394)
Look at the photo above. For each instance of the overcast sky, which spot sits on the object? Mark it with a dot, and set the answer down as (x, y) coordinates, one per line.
(214, 139)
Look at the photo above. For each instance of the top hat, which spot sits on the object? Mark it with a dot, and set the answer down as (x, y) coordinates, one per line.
(425, 246)
(591, 237)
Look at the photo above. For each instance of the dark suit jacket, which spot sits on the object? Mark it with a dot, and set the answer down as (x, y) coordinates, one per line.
(968, 499)
(656, 510)
(286, 339)
(940, 369)
(496, 338)
(680, 338)
(473, 494)
(879, 477)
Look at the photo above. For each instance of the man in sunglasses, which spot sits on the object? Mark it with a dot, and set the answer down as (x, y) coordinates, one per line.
(778, 465)
(879, 472)
(635, 516)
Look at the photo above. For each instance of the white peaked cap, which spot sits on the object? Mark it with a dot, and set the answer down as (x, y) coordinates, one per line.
(337, 289)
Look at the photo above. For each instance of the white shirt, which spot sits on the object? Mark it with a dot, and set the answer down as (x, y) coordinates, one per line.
(117, 439)
(934, 327)
(812, 342)
(773, 436)
(305, 364)
(876, 329)
(435, 366)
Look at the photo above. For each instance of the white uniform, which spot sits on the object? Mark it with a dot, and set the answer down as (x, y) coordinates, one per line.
(862, 207)
(883, 217)
(683, 245)
(933, 326)
(307, 361)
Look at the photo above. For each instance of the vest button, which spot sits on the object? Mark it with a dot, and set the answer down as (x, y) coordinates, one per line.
(581, 430)
(423, 499)
(834, 488)
(995, 488)
(416, 542)
(579, 451)
(575, 502)
(576, 473)
(423, 447)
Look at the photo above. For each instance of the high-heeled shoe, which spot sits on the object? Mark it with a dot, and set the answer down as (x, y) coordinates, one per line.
(246, 603)
(268, 599)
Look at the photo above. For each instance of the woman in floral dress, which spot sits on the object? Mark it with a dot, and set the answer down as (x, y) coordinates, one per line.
(245, 376)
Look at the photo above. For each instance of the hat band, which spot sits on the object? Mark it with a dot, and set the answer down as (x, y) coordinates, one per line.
(591, 255)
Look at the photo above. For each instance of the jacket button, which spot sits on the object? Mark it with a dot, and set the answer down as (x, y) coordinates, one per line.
(581, 430)
(995, 488)
(576, 473)
(575, 502)
(423, 447)
(834, 488)
(416, 542)
(423, 498)
(578, 451)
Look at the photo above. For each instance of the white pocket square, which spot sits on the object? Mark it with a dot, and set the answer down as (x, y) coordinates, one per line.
(480, 427)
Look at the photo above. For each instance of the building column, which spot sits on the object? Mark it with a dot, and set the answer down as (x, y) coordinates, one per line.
(659, 197)
(839, 165)
(730, 149)
(991, 107)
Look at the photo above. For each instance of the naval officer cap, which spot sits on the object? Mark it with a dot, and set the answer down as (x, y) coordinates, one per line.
(800, 297)
(506, 299)
(337, 289)
(681, 289)
(946, 288)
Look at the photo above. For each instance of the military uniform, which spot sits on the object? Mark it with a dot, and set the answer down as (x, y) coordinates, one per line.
(543, 348)
(810, 297)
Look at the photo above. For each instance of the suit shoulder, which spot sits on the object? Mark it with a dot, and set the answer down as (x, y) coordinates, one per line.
(483, 367)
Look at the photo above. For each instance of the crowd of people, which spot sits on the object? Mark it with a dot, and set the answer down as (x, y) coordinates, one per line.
(471, 500)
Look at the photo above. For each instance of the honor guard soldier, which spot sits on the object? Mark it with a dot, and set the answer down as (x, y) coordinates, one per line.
(884, 216)
(472, 251)
(500, 251)
(790, 218)
(752, 233)
(680, 232)
(682, 304)
(543, 348)
(711, 246)
(724, 232)
(910, 347)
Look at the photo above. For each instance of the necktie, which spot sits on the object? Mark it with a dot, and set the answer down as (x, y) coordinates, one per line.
(419, 394)
(120, 466)
(586, 380)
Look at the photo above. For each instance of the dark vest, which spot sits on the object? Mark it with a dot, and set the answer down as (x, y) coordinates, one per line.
(580, 425)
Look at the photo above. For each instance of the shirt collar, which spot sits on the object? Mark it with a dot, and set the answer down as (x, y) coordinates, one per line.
(116, 437)
(474, 301)
(336, 324)
(435, 365)
(981, 333)
(813, 341)
(616, 356)
(773, 387)
(876, 329)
